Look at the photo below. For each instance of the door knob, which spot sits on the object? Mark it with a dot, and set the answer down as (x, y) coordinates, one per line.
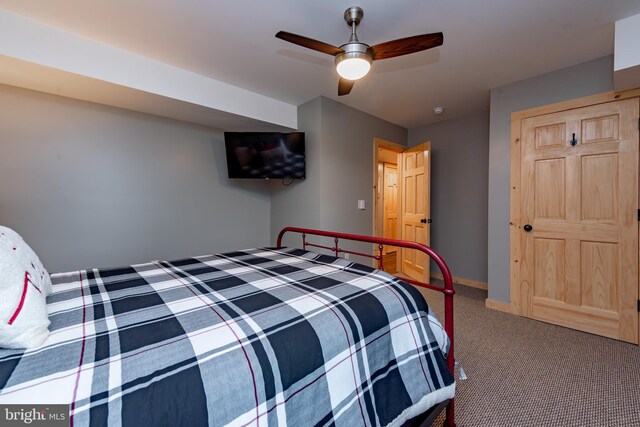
(423, 220)
(527, 228)
(573, 141)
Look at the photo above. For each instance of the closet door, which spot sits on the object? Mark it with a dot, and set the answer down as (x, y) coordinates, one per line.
(579, 217)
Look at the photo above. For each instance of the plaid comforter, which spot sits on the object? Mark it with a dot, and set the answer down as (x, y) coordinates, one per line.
(252, 338)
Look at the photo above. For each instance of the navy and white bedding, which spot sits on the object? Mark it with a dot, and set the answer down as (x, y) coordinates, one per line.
(260, 337)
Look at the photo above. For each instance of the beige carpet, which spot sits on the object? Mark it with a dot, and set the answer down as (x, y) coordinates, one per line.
(522, 372)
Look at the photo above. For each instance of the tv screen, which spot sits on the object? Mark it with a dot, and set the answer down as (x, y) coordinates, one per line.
(265, 155)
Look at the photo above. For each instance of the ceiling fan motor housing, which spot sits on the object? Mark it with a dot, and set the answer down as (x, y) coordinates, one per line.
(353, 50)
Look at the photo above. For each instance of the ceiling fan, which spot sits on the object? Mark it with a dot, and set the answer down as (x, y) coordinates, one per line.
(353, 59)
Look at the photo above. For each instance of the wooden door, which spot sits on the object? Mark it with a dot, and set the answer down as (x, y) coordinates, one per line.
(390, 201)
(579, 262)
(415, 174)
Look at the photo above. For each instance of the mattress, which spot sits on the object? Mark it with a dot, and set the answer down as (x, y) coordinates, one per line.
(248, 338)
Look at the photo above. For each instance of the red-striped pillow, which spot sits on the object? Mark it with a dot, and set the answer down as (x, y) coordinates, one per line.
(24, 285)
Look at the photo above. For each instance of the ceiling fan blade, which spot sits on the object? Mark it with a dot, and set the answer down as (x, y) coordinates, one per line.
(309, 43)
(344, 86)
(406, 46)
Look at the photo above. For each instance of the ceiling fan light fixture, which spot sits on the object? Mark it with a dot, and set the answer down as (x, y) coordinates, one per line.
(353, 65)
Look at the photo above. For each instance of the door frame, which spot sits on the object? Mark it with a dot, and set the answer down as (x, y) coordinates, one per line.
(379, 143)
(515, 248)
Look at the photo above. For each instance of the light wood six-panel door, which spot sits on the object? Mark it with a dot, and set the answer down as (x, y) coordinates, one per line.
(390, 205)
(579, 219)
(415, 172)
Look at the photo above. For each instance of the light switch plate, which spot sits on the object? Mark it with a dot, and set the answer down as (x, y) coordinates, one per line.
(361, 204)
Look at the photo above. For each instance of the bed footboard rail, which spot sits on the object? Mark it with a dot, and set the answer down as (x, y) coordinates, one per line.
(447, 289)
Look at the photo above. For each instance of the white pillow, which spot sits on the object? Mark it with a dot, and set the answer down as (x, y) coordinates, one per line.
(24, 285)
(28, 253)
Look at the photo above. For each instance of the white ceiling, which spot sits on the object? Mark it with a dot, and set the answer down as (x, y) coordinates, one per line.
(486, 44)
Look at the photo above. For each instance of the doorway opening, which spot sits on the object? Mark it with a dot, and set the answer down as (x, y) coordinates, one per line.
(401, 203)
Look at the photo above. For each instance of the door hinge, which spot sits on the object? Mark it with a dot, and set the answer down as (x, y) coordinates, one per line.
(638, 214)
(639, 305)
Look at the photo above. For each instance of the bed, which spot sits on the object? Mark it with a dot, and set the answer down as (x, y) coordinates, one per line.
(266, 336)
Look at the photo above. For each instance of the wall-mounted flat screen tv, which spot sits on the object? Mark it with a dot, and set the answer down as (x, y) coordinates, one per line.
(265, 155)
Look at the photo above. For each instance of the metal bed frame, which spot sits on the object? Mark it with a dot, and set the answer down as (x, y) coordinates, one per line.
(447, 290)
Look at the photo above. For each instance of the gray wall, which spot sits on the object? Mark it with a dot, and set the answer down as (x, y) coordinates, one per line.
(347, 165)
(459, 173)
(581, 80)
(89, 185)
(295, 204)
(339, 143)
